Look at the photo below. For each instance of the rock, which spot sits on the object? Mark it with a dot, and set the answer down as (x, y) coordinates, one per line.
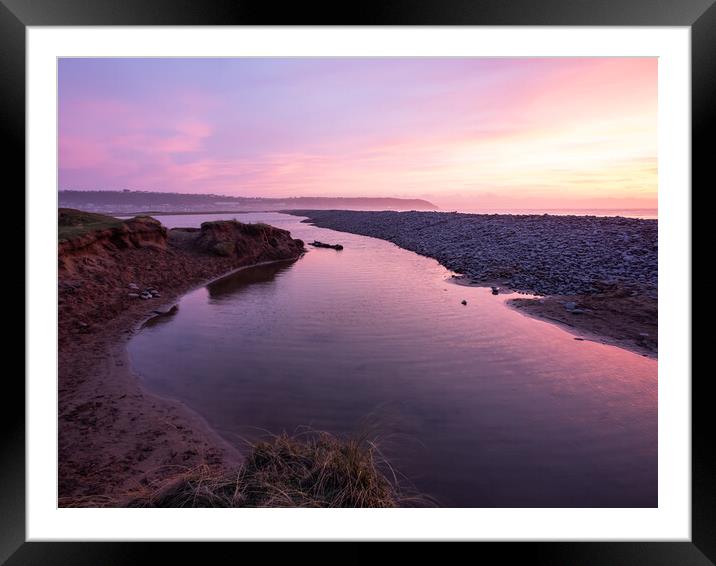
(495, 290)
(577, 311)
(133, 295)
(570, 305)
(133, 286)
(317, 244)
(464, 302)
(229, 238)
(544, 255)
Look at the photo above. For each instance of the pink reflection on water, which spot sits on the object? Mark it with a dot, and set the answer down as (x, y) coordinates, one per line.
(479, 404)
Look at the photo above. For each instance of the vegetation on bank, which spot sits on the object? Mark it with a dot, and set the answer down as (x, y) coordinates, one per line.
(308, 470)
(72, 223)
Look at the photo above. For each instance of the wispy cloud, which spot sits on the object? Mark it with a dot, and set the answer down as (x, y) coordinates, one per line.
(463, 130)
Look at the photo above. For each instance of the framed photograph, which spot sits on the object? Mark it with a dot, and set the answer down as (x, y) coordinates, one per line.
(423, 274)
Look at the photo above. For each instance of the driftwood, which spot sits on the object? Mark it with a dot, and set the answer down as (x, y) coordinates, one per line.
(318, 244)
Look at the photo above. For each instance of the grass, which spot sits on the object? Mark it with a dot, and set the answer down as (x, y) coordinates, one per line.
(72, 223)
(313, 469)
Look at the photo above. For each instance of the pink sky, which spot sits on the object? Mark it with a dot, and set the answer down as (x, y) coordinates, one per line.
(463, 133)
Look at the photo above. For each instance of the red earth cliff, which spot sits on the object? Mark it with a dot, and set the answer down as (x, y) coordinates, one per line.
(114, 437)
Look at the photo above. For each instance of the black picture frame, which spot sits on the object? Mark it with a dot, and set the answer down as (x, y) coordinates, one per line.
(16, 15)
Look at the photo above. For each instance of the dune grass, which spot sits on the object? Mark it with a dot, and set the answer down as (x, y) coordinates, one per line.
(72, 223)
(305, 470)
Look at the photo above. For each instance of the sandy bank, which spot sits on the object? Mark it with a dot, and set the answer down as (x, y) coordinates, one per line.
(114, 436)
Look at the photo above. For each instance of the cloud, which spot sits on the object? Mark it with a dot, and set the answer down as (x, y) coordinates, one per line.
(537, 128)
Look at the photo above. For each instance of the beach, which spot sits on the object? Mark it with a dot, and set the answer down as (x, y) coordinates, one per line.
(594, 275)
(124, 437)
(114, 437)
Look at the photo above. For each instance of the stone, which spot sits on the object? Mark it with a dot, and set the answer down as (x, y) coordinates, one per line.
(464, 302)
(570, 305)
(133, 295)
(547, 255)
(317, 244)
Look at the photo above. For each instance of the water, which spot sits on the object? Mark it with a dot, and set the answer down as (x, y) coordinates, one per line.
(478, 405)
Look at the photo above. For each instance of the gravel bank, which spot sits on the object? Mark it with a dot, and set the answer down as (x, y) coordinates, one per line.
(598, 275)
(540, 254)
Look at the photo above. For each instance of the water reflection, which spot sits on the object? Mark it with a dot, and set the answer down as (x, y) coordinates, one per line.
(478, 405)
(235, 283)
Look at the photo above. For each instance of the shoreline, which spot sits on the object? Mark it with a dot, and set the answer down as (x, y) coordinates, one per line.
(176, 438)
(188, 442)
(593, 305)
(533, 307)
(115, 437)
(582, 332)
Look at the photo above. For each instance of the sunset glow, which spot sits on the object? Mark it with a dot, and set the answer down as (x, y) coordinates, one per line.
(471, 133)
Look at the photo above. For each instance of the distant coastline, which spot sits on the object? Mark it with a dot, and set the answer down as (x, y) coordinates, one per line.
(134, 202)
(639, 213)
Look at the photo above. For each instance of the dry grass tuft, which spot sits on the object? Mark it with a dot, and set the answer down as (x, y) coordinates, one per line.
(307, 470)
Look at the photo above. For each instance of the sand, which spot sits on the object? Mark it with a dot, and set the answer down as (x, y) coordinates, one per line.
(115, 437)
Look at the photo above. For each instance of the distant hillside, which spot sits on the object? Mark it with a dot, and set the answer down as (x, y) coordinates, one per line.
(144, 201)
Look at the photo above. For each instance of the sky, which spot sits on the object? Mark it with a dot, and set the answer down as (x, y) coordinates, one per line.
(464, 133)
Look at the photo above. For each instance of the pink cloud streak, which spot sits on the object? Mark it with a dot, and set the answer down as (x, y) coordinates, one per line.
(533, 130)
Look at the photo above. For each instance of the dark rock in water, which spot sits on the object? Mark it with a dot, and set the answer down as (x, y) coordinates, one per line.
(495, 290)
(317, 244)
(464, 302)
(133, 295)
(570, 306)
